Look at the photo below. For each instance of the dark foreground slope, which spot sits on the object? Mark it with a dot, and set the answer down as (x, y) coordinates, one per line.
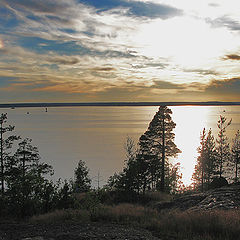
(212, 215)
(71, 231)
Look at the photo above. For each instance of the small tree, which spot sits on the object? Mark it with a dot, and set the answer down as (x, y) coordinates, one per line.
(206, 161)
(223, 149)
(5, 145)
(236, 155)
(65, 196)
(173, 178)
(82, 181)
(25, 181)
(131, 179)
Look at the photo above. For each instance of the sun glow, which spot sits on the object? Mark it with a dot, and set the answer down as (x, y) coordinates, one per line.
(190, 122)
(186, 41)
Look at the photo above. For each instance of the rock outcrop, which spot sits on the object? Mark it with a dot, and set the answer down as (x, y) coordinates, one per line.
(226, 198)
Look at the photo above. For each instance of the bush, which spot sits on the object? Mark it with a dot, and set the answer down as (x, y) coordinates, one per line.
(218, 182)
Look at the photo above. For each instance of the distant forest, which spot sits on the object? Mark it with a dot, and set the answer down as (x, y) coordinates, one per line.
(119, 104)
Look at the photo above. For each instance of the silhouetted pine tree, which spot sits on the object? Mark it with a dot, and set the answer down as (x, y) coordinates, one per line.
(82, 182)
(156, 146)
(223, 148)
(236, 155)
(25, 181)
(206, 161)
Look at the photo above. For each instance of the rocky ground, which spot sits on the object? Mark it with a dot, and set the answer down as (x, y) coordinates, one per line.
(225, 198)
(72, 231)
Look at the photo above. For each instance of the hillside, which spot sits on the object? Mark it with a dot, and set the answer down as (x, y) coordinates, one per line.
(212, 215)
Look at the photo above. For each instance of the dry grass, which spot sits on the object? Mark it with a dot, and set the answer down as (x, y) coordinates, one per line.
(124, 213)
(62, 216)
(200, 225)
(212, 225)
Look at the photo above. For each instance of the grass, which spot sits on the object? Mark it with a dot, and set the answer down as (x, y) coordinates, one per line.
(212, 225)
(58, 216)
(200, 225)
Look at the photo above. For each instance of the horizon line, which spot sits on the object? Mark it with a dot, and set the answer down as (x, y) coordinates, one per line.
(117, 104)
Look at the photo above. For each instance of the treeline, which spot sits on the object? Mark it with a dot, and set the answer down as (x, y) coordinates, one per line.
(218, 160)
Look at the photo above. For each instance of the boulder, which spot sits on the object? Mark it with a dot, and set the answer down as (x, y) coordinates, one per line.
(218, 182)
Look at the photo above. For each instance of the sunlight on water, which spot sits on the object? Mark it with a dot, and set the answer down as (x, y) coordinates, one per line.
(190, 122)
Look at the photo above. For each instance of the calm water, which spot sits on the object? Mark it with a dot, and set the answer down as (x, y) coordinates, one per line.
(97, 134)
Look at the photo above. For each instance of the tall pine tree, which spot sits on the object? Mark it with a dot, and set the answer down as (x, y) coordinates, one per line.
(236, 155)
(156, 146)
(223, 149)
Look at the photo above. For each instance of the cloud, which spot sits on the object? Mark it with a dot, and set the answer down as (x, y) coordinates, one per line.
(103, 69)
(202, 71)
(224, 21)
(232, 57)
(135, 8)
(41, 6)
(225, 87)
(65, 60)
(103, 72)
(213, 5)
(167, 85)
(70, 28)
(148, 64)
(5, 81)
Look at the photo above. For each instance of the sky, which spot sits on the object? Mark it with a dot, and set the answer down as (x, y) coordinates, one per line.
(119, 50)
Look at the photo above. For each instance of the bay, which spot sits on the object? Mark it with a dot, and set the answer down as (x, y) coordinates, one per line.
(64, 135)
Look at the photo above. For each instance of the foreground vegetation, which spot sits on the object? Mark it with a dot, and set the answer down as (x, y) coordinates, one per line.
(169, 225)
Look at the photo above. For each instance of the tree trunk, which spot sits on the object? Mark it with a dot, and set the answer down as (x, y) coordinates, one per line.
(202, 179)
(162, 187)
(236, 169)
(2, 163)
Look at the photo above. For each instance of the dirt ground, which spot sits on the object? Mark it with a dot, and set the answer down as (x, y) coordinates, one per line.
(71, 231)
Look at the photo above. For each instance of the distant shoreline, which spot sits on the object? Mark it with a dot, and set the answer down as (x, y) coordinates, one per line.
(117, 104)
